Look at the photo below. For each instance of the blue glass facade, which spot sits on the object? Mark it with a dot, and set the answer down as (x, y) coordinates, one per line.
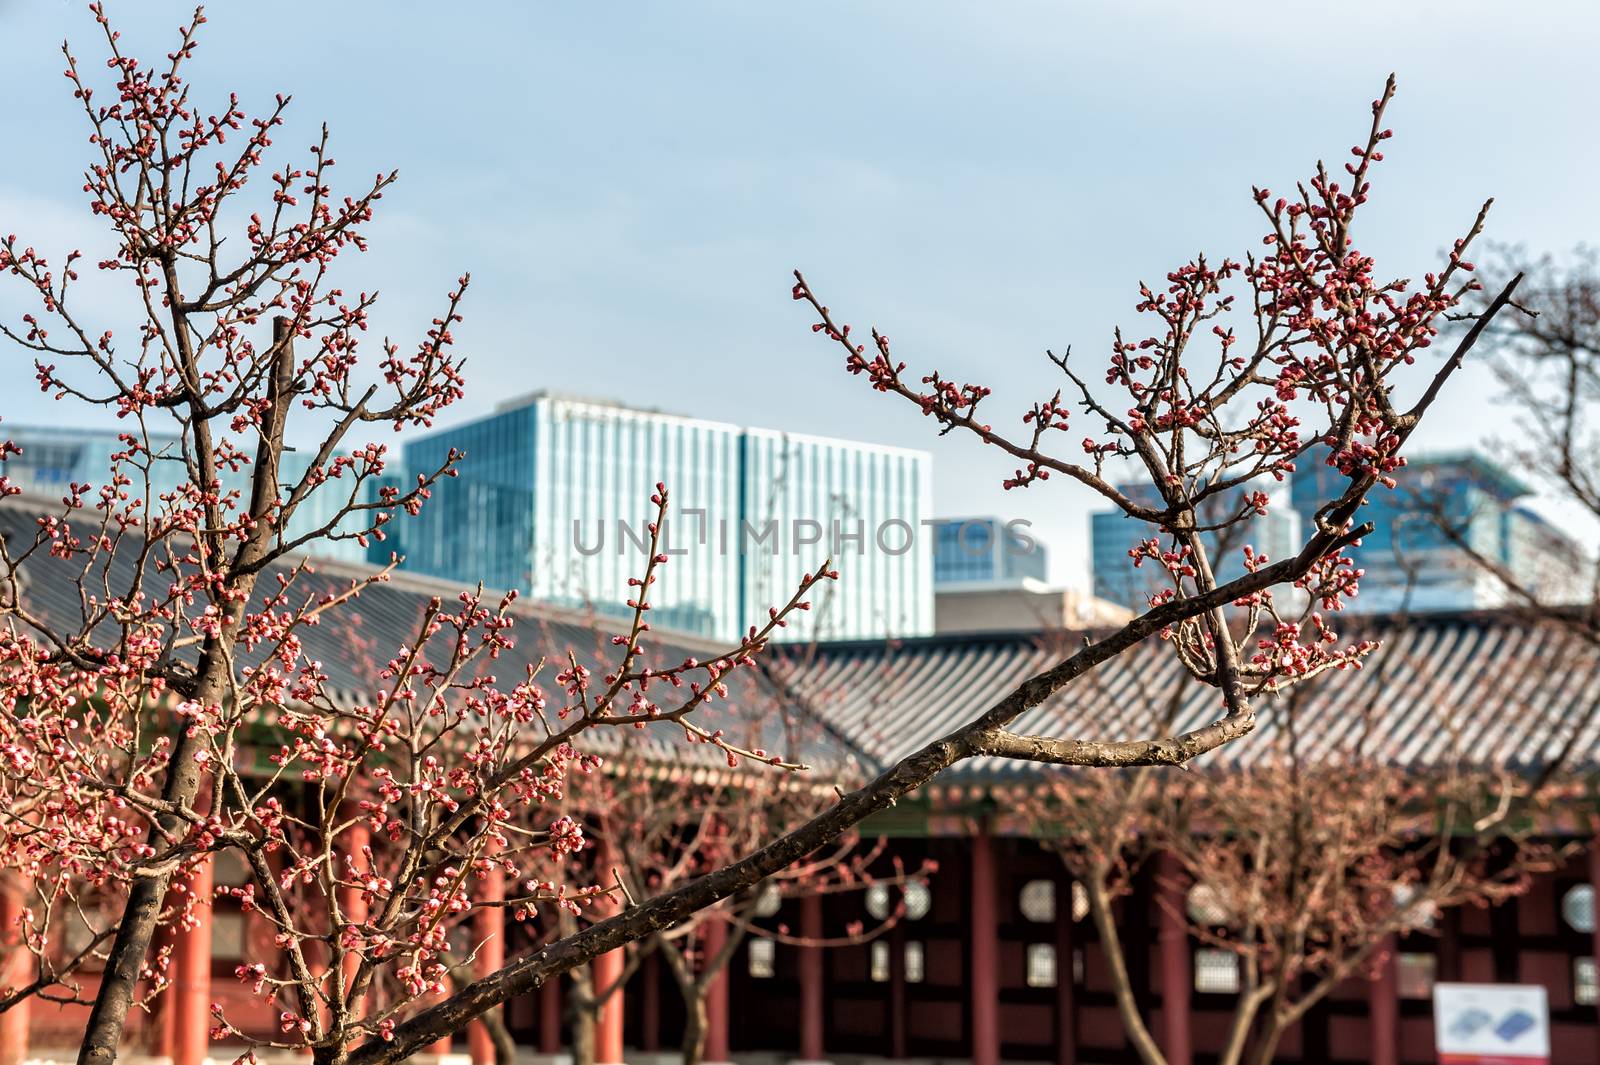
(53, 457)
(1409, 559)
(1112, 534)
(553, 498)
(808, 498)
(985, 551)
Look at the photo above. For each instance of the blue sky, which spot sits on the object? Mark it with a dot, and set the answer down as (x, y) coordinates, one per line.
(630, 184)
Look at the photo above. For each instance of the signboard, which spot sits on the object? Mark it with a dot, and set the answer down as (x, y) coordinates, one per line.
(1491, 1024)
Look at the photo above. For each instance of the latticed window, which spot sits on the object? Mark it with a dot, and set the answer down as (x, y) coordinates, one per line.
(1577, 908)
(1421, 915)
(879, 970)
(1206, 905)
(916, 963)
(769, 902)
(1041, 965)
(1038, 901)
(919, 900)
(878, 902)
(1584, 989)
(1417, 973)
(1216, 972)
(917, 896)
(227, 935)
(1080, 901)
(763, 959)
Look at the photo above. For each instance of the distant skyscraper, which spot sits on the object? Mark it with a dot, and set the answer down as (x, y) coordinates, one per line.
(865, 504)
(553, 498)
(53, 458)
(1112, 534)
(985, 550)
(1443, 510)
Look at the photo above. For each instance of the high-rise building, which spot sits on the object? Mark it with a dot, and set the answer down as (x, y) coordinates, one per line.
(863, 505)
(553, 498)
(1446, 517)
(985, 550)
(992, 576)
(54, 457)
(1112, 534)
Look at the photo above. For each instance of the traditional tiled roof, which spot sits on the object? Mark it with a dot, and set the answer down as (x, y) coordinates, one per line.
(1489, 688)
(353, 643)
(1486, 688)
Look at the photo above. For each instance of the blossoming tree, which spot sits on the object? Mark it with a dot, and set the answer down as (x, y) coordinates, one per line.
(1307, 869)
(124, 726)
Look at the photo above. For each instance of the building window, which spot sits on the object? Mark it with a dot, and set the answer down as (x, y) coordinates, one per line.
(1080, 901)
(1424, 914)
(1577, 907)
(1038, 901)
(1207, 906)
(769, 902)
(917, 897)
(1417, 972)
(1078, 965)
(916, 963)
(763, 958)
(879, 973)
(878, 902)
(1041, 965)
(229, 868)
(919, 900)
(1216, 972)
(1584, 990)
(227, 935)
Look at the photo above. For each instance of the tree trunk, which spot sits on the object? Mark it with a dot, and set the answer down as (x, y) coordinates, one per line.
(108, 1017)
(1242, 1035)
(695, 1026)
(582, 1036)
(212, 684)
(1144, 1043)
(505, 1047)
(329, 1055)
(1264, 1045)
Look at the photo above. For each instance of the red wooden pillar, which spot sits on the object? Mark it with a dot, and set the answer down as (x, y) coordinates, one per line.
(984, 979)
(191, 985)
(1383, 1006)
(1066, 947)
(17, 972)
(811, 991)
(607, 969)
(353, 902)
(159, 1037)
(608, 1026)
(1172, 944)
(550, 1016)
(489, 928)
(716, 993)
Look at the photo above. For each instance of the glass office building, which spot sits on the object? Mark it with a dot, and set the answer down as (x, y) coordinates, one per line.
(53, 458)
(553, 498)
(1414, 558)
(806, 499)
(1112, 534)
(985, 551)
